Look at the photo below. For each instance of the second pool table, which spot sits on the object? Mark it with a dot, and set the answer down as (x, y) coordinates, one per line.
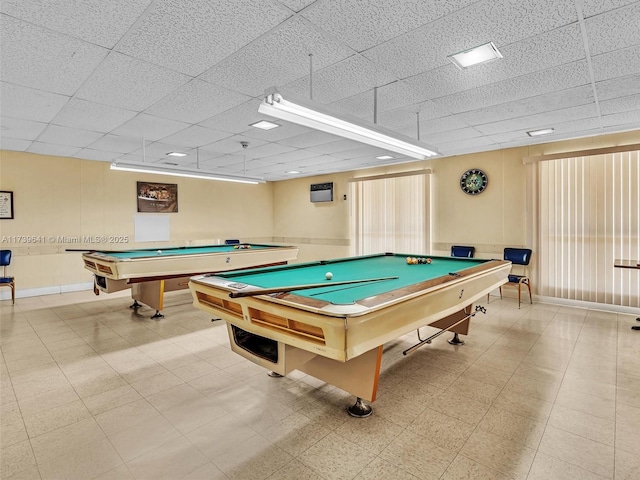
(152, 272)
(335, 331)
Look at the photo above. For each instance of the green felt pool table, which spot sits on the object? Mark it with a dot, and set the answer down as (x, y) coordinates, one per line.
(335, 330)
(152, 272)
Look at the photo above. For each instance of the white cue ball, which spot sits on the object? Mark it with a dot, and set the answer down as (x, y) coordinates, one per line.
(159, 252)
(328, 275)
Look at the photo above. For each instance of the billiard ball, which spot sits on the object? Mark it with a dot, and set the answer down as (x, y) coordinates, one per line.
(159, 252)
(408, 260)
(328, 275)
(428, 260)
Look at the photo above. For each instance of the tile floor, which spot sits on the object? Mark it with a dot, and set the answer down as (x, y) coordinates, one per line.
(91, 389)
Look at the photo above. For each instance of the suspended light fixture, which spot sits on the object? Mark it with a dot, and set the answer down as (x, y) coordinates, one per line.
(182, 172)
(320, 117)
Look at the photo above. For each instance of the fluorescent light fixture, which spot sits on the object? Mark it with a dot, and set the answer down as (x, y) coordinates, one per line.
(476, 55)
(292, 172)
(182, 172)
(176, 154)
(544, 131)
(264, 125)
(385, 157)
(319, 117)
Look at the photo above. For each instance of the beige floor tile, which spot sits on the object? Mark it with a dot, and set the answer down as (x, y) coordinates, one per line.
(116, 397)
(208, 471)
(628, 429)
(13, 432)
(66, 439)
(465, 409)
(257, 459)
(294, 470)
(196, 369)
(119, 473)
(157, 383)
(533, 387)
(546, 467)
(513, 427)
(17, 458)
(418, 456)
(498, 453)
(627, 466)
(523, 405)
(480, 371)
(373, 434)
(587, 454)
(586, 403)
(85, 461)
(193, 414)
(334, 457)
(95, 385)
(445, 431)
(579, 383)
(233, 432)
(29, 474)
(125, 416)
(56, 417)
(143, 437)
(296, 433)
(599, 429)
(479, 391)
(463, 468)
(380, 469)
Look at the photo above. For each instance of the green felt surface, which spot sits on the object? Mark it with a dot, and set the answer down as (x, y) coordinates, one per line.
(356, 268)
(165, 252)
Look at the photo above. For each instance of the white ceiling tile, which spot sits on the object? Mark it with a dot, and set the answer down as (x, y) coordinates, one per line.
(617, 63)
(440, 138)
(538, 83)
(276, 59)
(550, 49)
(52, 149)
(196, 101)
(100, 155)
(95, 21)
(285, 130)
(73, 137)
(349, 77)
(620, 104)
(236, 119)
(196, 135)
(191, 37)
(503, 22)
(264, 150)
(622, 118)
(595, 7)
(296, 5)
(358, 23)
(159, 150)
(541, 120)
(116, 143)
(292, 156)
(28, 103)
(310, 139)
(230, 145)
(126, 82)
(149, 127)
(14, 144)
(618, 87)
(35, 57)
(335, 147)
(613, 30)
(92, 116)
(219, 161)
(20, 129)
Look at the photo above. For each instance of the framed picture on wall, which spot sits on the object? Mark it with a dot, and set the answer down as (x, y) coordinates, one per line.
(6, 205)
(157, 197)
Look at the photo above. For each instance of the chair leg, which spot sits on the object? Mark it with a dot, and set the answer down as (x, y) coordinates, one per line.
(500, 288)
(530, 297)
(519, 286)
(13, 294)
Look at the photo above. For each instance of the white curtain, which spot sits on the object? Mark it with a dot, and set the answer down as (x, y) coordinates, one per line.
(589, 216)
(391, 215)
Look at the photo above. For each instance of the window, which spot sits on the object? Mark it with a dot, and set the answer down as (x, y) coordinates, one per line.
(589, 216)
(391, 214)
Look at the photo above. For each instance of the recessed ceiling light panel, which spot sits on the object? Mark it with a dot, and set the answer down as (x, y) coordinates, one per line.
(176, 154)
(264, 125)
(476, 55)
(544, 131)
(385, 157)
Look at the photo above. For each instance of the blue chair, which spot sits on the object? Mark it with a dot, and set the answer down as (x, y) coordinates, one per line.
(233, 241)
(462, 251)
(519, 258)
(5, 280)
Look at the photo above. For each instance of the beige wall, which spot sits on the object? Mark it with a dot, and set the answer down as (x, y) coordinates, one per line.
(64, 196)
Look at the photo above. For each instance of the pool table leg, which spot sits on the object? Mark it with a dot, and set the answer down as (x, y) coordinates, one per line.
(135, 305)
(360, 409)
(157, 315)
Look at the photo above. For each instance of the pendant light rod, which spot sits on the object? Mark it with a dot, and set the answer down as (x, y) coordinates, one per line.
(311, 76)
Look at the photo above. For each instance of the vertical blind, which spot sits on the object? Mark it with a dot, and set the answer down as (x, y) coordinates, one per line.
(391, 215)
(589, 216)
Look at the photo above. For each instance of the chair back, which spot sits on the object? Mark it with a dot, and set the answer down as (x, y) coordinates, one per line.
(232, 241)
(5, 257)
(462, 251)
(518, 256)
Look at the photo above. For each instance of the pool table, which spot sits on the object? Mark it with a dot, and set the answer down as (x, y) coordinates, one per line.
(334, 329)
(152, 272)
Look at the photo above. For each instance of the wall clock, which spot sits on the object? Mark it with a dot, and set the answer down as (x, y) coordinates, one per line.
(473, 181)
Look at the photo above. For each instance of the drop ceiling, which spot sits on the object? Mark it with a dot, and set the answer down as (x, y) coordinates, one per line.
(137, 79)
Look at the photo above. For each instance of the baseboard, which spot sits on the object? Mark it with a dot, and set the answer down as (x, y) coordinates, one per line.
(36, 292)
